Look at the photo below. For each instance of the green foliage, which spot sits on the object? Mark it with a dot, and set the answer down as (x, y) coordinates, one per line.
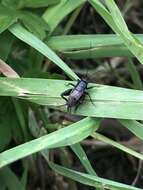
(28, 45)
(115, 20)
(33, 41)
(62, 137)
(90, 180)
(41, 92)
(34, 24)
(11, 12)
(77, 148)
(5, 133)
(56, 13)
(9, 180)
(7, 17)
(29, 3)
(6, 39)
(90, 46)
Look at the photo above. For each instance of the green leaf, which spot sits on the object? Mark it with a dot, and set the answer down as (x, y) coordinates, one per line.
(33, 41)
(115, 20)
(34, 24)
(33, 124)
(101, 9)
(62, 137)
(111, 102)
(2, 185)
(24, 177)
(38, 3)
(90, 180)
(18, 4)
(6, 21)
(83, 42)
(99, 52)
(9, 126)
(6, 41)
(54, 14)
(36, 60)
(90, 46)
(7, 17)
(117, 145)
(11, 3)
(135, 127)
(79, 151)
(20, 116)
(5, 133)
(10, 179)
(134, 75)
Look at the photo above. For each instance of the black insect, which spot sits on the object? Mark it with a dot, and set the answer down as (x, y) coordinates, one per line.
(77, 94)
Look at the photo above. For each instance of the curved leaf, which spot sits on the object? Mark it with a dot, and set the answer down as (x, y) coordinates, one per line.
(36, 43)
(62, 137)
(90, 180)
(111, 102)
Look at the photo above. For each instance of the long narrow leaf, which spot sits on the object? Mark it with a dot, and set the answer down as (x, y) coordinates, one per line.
(134, 126)
(134, 75)
(112, 102)
(116, 22)
(117, 145)
(90, 46)
(62, 137)
(6, 41)
(11, 181)
(90, 180)
(36, 43)
(79, 151)
(56, 13)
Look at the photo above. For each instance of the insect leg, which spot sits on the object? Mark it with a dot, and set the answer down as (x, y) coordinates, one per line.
(89, 98)
(70, 84)
(76, 107)
(66, 93)
(64, 98)
(90, 87)
(69, 109)
(80, 102)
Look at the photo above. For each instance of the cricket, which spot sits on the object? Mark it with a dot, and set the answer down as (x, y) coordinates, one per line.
(76, 95)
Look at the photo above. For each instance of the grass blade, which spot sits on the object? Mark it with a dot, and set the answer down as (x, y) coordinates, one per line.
(55, 14)
(117, 145)
(115, 20)
(38, 4)
(134, 126)
(83, 42)
(134, 75)
(121, 103)
(6, 42)
(90, 180)
(79, 151)
(10, 179)
(40, 46)
(90, 46)
(62, 137)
